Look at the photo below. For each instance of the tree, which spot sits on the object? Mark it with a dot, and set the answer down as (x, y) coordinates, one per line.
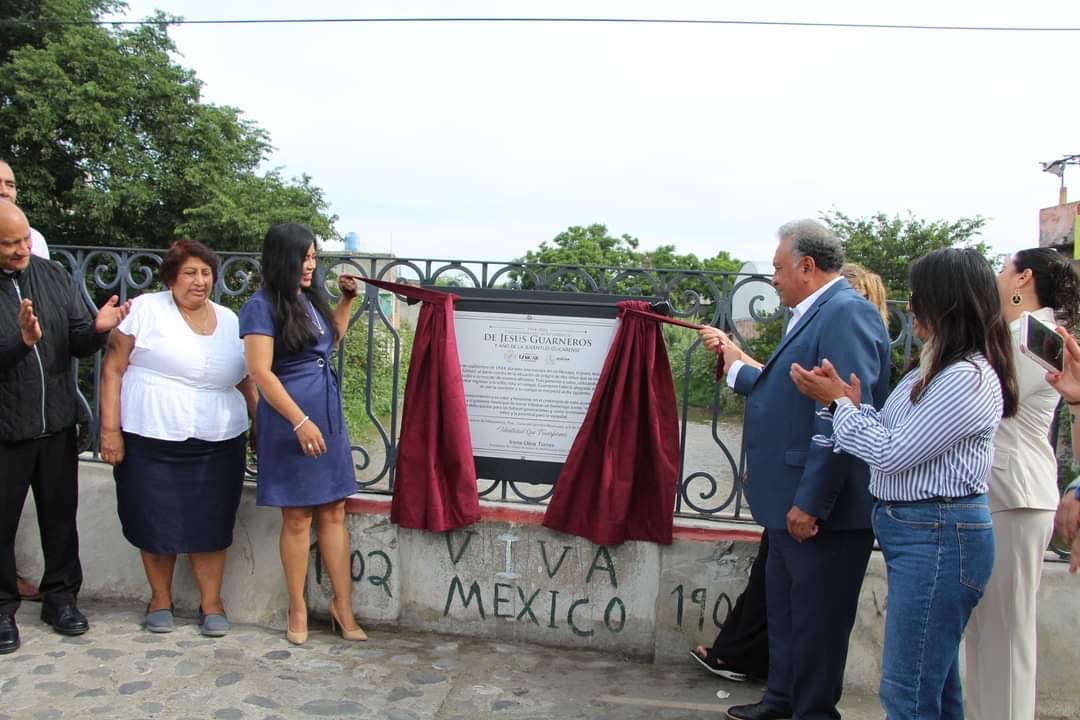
(112, 145)
(590, 245)
(603, 256)
(888, 245)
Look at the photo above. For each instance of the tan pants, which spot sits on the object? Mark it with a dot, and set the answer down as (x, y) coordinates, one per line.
(1001, 635)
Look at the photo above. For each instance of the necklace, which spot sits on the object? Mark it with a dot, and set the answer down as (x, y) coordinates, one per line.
(314, 314)
(199, 328)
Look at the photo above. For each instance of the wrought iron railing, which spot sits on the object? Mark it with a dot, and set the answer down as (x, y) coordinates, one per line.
(711, 473)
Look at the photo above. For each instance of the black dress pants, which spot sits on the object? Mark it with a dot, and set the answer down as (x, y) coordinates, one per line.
(49, 465)
(743, 642)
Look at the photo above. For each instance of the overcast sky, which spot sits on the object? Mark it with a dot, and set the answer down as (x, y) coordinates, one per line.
(480, 140)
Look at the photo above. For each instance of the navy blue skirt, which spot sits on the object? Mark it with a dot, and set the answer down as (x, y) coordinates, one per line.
(179, 497)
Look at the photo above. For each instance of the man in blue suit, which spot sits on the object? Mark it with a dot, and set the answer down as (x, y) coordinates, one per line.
(813, 503)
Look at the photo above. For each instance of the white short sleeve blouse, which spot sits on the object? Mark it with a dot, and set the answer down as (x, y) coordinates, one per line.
(179, 384)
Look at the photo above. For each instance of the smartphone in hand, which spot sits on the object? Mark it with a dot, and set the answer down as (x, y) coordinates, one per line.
(1041, 343)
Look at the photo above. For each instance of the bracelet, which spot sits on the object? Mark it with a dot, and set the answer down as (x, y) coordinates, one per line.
(300, 424)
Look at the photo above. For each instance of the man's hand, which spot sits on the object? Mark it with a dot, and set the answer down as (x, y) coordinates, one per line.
(711, 338)
(801, 525)
(28, 323)
(111, 314)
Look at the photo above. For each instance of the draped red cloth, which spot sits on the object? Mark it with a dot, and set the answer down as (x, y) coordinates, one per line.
(435, 481)
(620, 478)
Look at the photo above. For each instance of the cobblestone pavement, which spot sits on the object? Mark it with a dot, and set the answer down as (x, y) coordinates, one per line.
(118, 670)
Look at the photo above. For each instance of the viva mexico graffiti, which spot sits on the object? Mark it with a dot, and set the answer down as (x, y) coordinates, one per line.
(542, 607)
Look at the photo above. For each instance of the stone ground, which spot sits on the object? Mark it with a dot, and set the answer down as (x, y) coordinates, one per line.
(118, 670)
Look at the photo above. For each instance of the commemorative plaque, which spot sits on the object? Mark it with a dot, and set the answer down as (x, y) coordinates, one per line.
(530, 363)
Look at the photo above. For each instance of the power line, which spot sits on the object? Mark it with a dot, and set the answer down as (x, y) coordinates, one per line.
(564, 20)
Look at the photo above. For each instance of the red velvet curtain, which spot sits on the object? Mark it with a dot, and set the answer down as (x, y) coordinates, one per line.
(620, 478)
(435, 481)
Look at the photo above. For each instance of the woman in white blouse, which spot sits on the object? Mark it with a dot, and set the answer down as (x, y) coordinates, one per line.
(175, 408)
(930, 450)
(1000, 644)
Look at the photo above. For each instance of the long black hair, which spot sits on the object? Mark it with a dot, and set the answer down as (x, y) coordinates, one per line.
(284, 249)
(1056, 284)
(954, 296)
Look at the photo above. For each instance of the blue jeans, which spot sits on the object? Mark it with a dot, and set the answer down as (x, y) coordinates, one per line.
(938, 554)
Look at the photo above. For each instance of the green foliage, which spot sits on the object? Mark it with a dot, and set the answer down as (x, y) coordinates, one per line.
(888, 245)
(769, 335)
(587, 246)
(112, 145)
(593, 248)
(381, 370)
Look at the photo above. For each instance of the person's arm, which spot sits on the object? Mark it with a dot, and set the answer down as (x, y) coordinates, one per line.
(946, 413)
(259, 353)
(112, 376)
(250, 392)
(84, 339)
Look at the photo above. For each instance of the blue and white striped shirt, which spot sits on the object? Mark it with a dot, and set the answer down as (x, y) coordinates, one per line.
(941, 446)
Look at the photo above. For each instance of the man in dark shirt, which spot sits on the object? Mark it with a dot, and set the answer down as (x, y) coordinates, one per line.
(44, 323)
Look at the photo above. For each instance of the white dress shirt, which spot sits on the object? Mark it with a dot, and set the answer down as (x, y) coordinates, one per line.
(38, 246)
(796, 314)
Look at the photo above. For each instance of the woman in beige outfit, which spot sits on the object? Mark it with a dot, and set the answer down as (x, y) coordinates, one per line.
(1000, 640)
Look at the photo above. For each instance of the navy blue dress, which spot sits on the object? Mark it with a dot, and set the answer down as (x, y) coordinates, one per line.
(287, 477)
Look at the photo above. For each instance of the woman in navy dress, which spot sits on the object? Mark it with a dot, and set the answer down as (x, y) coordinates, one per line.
(304, 457)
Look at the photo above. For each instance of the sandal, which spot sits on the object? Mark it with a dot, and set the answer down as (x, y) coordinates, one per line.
(717, 668)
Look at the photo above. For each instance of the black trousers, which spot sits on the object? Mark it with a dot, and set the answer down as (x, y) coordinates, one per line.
(812, 599)
(743, 642)
(49, 465)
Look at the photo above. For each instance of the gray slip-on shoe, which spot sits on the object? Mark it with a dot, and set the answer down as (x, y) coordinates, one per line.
(159, 621)
(214, 624)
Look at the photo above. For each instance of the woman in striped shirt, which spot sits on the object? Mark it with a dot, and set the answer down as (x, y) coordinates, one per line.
(930, 450)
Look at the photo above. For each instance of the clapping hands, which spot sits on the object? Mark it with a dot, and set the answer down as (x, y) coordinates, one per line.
(823, 383)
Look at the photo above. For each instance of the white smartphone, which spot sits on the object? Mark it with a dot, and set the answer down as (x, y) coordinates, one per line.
(1040, 343)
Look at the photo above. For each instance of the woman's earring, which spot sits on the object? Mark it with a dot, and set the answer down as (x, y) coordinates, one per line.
(1016, 297)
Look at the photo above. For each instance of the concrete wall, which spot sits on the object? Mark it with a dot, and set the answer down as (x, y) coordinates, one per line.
(508, 577)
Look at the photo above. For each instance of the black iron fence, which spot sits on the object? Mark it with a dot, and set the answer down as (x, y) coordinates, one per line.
(371, 359)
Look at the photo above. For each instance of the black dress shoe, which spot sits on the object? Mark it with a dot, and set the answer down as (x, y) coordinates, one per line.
(9, 634)
(65, 619)
(757, 711)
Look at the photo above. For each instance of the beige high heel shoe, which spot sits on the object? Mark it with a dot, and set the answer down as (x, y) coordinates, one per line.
(357, 634)
(296, 637)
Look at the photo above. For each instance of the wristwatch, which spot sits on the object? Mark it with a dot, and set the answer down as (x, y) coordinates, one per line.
(832, 407)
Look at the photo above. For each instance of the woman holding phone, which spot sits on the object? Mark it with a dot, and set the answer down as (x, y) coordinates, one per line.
(1000, 640)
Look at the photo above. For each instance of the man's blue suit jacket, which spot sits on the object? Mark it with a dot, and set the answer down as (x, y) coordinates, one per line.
(784, 467)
